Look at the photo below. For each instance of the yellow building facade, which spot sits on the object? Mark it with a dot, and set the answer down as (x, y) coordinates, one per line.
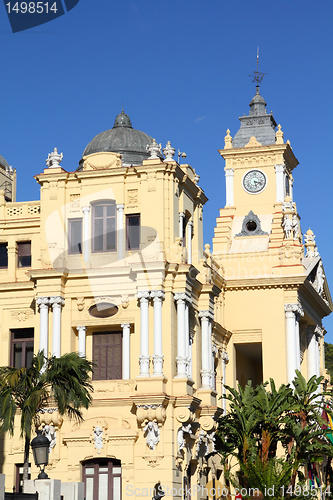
(111, 263)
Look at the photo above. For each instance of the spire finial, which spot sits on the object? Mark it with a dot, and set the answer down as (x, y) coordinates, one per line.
(256, 76)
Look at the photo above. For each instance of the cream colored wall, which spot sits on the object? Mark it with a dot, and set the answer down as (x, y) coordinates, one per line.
(157, 191)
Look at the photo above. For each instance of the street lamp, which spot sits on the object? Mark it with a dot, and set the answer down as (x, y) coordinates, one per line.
(40, 448)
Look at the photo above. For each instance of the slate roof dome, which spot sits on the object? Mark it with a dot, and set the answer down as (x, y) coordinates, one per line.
(124, 139)
(4, 163)
(257, 123)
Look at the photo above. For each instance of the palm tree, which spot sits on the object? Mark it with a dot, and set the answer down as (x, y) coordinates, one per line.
(260, 419)
(65, 380)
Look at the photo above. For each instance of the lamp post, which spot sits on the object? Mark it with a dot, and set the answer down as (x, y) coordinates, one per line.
(40, 448)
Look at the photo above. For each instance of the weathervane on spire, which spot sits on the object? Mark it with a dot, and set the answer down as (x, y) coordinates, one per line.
(256, 75)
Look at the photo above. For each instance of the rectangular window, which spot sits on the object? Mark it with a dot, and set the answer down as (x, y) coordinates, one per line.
(19, 477)
(104, 227)
(107, 354)
(3, 255)
(133, 232)
(24, 254)
(22, 347)
(102, 479)
(74, 236)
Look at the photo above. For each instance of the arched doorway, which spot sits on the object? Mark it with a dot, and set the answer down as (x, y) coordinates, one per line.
(102, 479)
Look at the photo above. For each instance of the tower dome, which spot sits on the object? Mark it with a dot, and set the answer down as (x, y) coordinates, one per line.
(124, 139)
(257, 123)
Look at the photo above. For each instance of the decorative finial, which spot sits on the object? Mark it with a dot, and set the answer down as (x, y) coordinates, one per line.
(310, 244)
(279, 135)
(54, 159)
(228, 140)
(154, 149)
(256, 76)
(169, 152)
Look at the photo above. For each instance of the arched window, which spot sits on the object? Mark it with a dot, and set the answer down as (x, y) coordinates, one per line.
(104, 226)
(102, 479)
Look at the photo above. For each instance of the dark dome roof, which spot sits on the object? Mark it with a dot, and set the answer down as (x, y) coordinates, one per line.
(3, 163)
(124, 139)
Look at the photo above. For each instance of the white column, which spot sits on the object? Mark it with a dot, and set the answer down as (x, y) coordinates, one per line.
(188, 302)
(291, 188)
(311, 351)
(86, 234)
(82, 331)
(225, 361)
(211, 357)
(43, 303)
(158, 296)
(229, 187)
(190, 367)
(189, 229)
(291, 340)
(205, 350)
(120, 231)
(57, 303)
(279, 178)
(181, 299)
(181, 224)
(126, 350)
(319, 332)
(144, 357)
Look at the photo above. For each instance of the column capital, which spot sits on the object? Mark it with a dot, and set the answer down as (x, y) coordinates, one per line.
(225, 357)
(229, 172)
(280, 168)
(125, 325)
(182, 297)
(81, 328)
(205, 314)
(57, 301)
(43, 302)
(319, 331)
(295, 308)
(143, 295)
(86, 210)
(157, 295)
(120, 207)
(181, 215)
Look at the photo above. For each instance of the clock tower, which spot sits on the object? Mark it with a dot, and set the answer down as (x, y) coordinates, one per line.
(272, 299)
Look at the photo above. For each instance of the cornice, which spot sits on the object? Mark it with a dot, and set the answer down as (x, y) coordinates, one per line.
(292, 282)
(284, 149)
(17, 285)
(313, 298)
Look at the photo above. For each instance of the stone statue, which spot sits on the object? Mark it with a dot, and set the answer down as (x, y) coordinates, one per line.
(51, 434)
(287, 226)
(181, 440)
(319, 279)
(98, 438)
(295, 226)
(152, 434)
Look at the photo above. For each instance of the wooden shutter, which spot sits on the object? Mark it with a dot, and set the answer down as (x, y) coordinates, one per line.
(107, 354)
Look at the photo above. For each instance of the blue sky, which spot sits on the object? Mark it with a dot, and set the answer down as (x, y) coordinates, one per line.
(181, 69)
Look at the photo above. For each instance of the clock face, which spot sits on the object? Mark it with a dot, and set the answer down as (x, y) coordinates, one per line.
(254, 181)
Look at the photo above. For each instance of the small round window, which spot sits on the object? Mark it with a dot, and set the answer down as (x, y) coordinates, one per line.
(251, 226)
(103, 310)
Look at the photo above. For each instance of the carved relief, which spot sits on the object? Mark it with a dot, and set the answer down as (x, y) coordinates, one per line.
(21, 315)
(75, 200)
(80, 303)
(132, 197)
(154, 461)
